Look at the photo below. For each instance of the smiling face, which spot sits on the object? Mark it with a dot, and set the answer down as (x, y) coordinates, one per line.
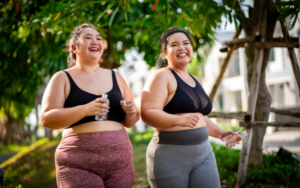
(89, 45)
(179, 49)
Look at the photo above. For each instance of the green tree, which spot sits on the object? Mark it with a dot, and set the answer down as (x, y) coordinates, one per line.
(26, 59)
(34, 32)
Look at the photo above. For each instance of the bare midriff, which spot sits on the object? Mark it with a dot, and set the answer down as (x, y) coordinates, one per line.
(201, 123)
(94, 126)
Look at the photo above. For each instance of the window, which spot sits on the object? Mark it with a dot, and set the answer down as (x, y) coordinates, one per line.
(272, 56)
(237, 65)
(220, 103)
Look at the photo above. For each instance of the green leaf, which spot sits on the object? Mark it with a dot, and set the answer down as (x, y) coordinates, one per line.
(102, 14)
(113, 16)
(285, 14)
(167, 5)
(287, 3)
(295, 19)
(233, 3)
(95, 2)
(125, 14)
(128, 8)
(52, 7)
(60, 7)
(108, 7)
(183, 7)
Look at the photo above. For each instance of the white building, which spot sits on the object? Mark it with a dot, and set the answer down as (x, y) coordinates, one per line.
(233, 91)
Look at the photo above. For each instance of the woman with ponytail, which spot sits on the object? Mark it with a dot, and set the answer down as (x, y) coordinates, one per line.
(175, 104)
(92, 153)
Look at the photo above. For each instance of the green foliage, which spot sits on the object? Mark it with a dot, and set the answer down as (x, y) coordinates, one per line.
(275, 171)
(33, 167)
(289, 8)
(228, 127)
(133, 23)
(25, 59)
(140, 138)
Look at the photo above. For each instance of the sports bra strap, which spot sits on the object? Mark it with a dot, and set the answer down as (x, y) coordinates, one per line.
(70, 79)
(114, 78)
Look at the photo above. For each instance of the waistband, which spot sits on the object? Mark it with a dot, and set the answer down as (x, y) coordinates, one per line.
(184, 137)
(94, 140)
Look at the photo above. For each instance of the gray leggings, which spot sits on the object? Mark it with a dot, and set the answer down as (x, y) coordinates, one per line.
(182, 166)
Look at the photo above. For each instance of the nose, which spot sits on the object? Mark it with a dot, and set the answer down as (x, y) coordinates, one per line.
(180, 47)
(94, 40)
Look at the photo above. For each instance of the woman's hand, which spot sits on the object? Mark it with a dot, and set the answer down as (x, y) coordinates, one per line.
(96, 107)
(128, 106)
(230, 133)
(188, 120)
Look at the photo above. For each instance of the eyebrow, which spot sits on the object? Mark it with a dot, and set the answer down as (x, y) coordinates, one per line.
(183, 41)
(91, 35)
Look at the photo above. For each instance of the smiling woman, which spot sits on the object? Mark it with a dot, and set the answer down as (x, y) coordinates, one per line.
(92, 153)
(175, 104)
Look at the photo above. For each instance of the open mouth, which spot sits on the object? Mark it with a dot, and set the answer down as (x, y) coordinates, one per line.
(182, 55)
(94, 49)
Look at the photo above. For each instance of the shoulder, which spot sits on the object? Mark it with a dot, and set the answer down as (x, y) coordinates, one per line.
(118, 75)
(163, 74)
(198, 79)
(59, 76)
(160, 78)
(120, 80)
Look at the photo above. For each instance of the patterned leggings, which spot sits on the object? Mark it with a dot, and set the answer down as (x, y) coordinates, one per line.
(182, 166)
(95, 160)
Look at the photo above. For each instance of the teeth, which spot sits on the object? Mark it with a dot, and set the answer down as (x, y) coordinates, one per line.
(182, 55)
(95, 49)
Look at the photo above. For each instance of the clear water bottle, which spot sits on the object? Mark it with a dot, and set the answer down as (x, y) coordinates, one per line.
(233, 139)
(104, 117)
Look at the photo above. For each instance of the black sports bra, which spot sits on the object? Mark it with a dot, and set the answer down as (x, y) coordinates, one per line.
(188, 99)
(78, 96)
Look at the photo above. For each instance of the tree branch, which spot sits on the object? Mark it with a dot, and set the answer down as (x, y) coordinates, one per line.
(254, 18)
(239, 14)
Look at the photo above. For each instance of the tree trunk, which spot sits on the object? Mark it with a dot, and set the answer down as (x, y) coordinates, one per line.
(9, 128)
(2, 131)
(263, 103)
(109, 61)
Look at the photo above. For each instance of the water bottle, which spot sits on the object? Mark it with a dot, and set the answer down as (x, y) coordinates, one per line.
(233, 139)
(104, 117)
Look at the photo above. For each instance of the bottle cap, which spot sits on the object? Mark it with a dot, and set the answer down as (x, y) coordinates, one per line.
(104, 95)
(242, 133)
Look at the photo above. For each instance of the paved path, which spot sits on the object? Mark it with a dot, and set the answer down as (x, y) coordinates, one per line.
(290, 140)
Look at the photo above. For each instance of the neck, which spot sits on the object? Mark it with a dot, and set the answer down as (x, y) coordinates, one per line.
(179, 68)
(87, 67)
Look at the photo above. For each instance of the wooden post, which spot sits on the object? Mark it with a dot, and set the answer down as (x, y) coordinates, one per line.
(292, 54)
(243, 164)
(286, 112)
(245, 152)
(224, 66)
(267, 124)
(242, 116)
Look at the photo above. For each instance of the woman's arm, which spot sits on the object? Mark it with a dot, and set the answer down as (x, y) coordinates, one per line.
(153, 100)
(54, 115)
(132, 113)
(215, 131)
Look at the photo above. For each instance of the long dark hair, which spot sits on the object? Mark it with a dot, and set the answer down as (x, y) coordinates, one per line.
(162, 60)
(73, 41)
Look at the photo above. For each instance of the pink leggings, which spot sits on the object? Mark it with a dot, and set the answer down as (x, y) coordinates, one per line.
(95, 160)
